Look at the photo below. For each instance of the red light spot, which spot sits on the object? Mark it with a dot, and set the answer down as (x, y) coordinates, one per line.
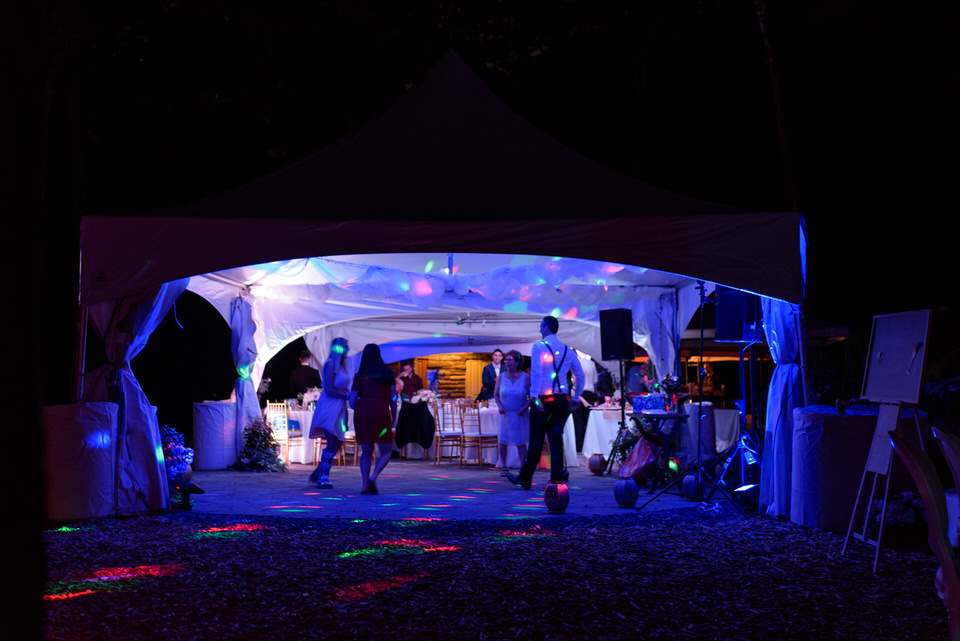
(363, 590)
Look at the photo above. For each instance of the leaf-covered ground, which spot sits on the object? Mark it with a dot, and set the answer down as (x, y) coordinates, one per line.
(658, 575)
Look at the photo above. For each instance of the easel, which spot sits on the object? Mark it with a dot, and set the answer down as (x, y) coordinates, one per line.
(894, 370)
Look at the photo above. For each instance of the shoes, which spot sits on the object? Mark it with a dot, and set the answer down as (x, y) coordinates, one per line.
(315, 474)
(503, 471)
(325, 484)
(372, 488)
(518, 481)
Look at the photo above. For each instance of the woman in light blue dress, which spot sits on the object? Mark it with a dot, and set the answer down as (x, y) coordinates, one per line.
(330, 415)
(512, 396)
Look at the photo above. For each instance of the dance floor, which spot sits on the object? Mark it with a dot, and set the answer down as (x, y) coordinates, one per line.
(411, 489)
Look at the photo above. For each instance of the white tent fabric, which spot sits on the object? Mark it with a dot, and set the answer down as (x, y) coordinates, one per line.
(783, 328)
(244, 349)
(126, 326)
(447, 204)
(467, 300)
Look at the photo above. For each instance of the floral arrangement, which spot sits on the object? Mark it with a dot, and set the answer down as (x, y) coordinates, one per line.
(260, 449)
(312, 395)
(177, 458)
(424, 396)
(629, 436)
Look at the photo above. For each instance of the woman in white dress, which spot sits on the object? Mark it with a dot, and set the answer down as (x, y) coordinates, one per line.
(512, 396)
(330, 415)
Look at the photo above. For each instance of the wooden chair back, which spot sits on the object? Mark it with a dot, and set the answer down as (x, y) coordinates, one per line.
(925, 475)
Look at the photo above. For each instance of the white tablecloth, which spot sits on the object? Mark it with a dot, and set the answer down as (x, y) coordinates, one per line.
(599, 436)
(727, 425)
(303, 452)
(78, 456)
(214, 435)
(828, 456)
(687, 449)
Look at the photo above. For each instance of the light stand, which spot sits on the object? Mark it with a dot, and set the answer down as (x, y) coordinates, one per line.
(699, 469)
(623, 423)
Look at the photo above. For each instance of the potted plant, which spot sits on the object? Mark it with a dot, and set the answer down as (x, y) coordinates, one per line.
(177, 458)
(260, 452)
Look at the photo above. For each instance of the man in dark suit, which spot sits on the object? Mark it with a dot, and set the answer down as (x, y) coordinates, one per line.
(489, 376)
(304, 377)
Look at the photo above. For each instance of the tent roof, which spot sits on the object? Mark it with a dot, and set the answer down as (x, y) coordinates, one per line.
(447, 168)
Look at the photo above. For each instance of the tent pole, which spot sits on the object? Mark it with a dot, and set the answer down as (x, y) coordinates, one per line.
(80, 354)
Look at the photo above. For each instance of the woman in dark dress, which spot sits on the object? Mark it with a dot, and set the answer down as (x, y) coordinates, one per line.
(373, 414)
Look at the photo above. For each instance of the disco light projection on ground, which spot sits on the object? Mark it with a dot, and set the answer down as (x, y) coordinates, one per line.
(392, 547)
(234, 531)
(109, 580)
(363, 590)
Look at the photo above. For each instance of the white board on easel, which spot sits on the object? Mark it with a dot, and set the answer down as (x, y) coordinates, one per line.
(898, 344)
(892, 378)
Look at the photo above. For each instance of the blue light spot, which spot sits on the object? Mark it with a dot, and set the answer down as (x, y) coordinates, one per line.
(101, 440)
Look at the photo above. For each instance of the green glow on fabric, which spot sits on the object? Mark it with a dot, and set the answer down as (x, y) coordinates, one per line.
(404, 287)
(429, 267)
(158, 453)
(557, 312)
(244, 372)
(383, 432)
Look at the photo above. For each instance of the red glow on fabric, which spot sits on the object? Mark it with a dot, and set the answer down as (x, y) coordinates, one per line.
(363, 590)
(239, 527)
(571, 313)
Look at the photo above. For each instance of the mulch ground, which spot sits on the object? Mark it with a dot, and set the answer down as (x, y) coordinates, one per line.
(657, 575)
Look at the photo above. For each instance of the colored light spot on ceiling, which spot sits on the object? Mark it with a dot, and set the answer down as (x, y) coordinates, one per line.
(422, 288)
(571, 313)
(429, 267)
(516, 307)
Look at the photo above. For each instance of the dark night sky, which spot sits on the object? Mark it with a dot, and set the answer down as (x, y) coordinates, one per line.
(161, 103)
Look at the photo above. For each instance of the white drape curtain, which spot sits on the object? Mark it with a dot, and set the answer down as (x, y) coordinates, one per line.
(784, 331)
(243, 346)
(126, 325)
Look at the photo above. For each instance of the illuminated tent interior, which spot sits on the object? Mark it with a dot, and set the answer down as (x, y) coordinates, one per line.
(445, 222)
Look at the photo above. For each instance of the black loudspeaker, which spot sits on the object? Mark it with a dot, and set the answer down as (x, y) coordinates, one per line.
(616, 334)
(738, 317)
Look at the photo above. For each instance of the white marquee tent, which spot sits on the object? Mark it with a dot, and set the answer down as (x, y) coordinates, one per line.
(446, 223)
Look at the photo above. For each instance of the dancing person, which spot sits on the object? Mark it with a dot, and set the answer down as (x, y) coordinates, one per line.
(374, 414)
(550, 363)
(330, 416)
(304, 376)
(489, 376)
(512, 396)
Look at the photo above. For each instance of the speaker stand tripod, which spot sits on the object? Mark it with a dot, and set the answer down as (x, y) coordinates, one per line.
(701, 469)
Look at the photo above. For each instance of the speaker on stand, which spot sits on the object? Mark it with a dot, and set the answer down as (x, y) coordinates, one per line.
(739, 320)
(616, 343)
